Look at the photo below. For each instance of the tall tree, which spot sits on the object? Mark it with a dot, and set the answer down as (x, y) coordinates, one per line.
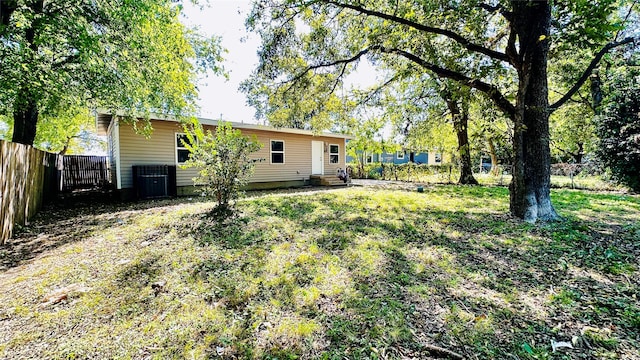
(505, 37)
(133, 56)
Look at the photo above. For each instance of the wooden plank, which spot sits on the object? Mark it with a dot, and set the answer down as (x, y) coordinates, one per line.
(23, 183)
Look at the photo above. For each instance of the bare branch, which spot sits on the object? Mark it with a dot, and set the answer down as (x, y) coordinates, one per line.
(429, 29)
(329, 64)
(377, 89)
(626, 18)
(335, 84)
(491, 90)
(497, 8)
(588, 70)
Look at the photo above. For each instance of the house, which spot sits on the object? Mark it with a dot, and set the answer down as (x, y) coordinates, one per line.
(400, 157)
(288, 158)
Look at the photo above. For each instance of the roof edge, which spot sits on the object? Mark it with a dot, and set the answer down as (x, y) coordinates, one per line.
(102, 124)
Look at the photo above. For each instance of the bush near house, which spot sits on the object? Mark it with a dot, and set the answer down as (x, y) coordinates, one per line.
(444, 173)
(223, 160)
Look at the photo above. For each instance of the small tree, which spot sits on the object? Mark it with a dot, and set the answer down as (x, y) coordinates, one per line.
(619, 132)
(223, 160)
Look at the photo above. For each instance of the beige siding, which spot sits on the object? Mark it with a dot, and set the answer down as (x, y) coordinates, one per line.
(160, 149)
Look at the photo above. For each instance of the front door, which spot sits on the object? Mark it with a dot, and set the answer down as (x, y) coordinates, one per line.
(317, 157)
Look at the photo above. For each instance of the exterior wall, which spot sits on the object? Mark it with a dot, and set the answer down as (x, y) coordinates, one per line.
(159, 149)
(421, 158)
(396, 160)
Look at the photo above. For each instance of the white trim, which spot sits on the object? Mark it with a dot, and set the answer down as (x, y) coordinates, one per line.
(277, 152)
(398, 154)
(365, 158)
(175, 146)
(336, 153)
(116, 146)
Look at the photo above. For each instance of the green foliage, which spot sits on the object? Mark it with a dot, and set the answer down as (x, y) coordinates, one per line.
(223, 160)
(619, 130)
(131, 56)
(407, 172)
(70, 131)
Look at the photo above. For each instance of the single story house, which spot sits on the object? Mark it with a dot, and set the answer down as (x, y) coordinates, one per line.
(288, 158)
(400, 157)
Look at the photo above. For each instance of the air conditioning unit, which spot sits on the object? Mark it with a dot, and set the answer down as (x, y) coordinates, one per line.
(152, 186)
(154, 181)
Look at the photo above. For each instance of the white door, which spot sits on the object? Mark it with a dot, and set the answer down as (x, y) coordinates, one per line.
(317, 157)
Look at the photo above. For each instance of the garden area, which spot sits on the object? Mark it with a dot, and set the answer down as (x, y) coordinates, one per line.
(375, 272)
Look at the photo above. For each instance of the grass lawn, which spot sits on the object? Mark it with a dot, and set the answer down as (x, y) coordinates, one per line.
(350, 273)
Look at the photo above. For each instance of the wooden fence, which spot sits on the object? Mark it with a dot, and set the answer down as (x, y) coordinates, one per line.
(84, 172)
(27, 178)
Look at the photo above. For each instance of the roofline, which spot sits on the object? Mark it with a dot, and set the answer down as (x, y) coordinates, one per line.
(235, 125)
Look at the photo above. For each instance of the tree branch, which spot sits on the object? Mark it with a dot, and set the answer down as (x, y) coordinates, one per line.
(491, 90)
(65, 61)
(588, 70)
(497, 8)
(429, 29)
(377, 89)
(329, 64)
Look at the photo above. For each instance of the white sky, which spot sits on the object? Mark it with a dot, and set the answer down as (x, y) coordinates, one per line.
(219, 97)
(225, 18)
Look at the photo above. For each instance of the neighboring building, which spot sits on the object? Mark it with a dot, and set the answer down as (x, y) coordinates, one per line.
(288, 157)
(399, 157)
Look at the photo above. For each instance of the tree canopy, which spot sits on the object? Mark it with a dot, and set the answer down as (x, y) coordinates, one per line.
(133, 56)
(499, 48)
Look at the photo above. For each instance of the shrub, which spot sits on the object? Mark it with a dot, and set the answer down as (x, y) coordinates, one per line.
(619, 132)
(222, 159)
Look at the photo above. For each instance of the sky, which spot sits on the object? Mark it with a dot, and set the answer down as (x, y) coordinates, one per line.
(220, 98)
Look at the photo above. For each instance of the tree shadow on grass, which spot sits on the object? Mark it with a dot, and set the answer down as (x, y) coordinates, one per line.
(59, 224)
(475, 282)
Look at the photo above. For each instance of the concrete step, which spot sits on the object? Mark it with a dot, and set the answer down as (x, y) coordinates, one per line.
(326, 180)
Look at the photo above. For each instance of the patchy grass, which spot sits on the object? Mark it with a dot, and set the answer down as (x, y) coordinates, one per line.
(350, 273)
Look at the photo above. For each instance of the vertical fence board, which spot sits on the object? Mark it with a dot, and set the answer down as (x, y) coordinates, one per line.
(24, 175)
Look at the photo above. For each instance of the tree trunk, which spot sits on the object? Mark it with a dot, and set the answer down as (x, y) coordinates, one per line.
(25, 118)
(530, 188)
(577, 157)
(461, 124)
(25, 107)
(493, 155)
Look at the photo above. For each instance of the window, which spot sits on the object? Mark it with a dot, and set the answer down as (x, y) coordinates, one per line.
(368, 158)
(334, 154)
(438, 158)
(277, 152)
(182, 154)
(400, 154)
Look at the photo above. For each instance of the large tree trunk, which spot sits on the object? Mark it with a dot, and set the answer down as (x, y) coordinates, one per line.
(461, 125)
(530, 188)
(25, 108)
(25, 118)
